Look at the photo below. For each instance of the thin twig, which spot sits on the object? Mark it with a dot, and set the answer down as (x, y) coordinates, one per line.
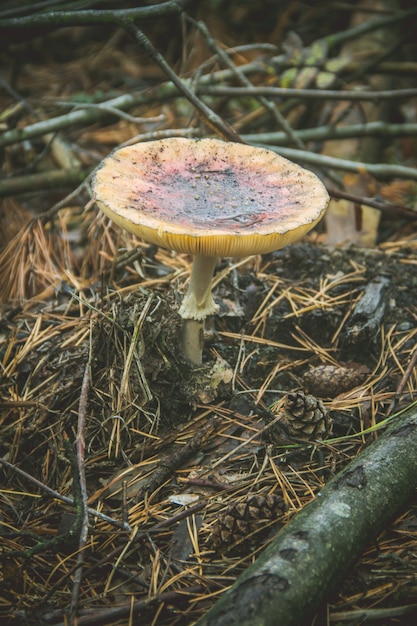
(110, 615)
(166, 523)
(80, 446)
(118, 113)
(246, 442)
(169, 464)
(208, 116)
(410, 368)
(379, 170)
(51, 179)
(336, 39)
(384, 207)
(164, 133)
(331, 131)
(359, 616)
(241, 76)
(79, 117)
(64, 19)
(311, 94)
(65, 499)
(46, 216)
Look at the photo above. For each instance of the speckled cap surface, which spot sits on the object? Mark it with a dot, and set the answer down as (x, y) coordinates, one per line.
(209, 197)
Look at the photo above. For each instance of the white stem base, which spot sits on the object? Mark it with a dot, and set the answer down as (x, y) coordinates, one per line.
(199, 303)
(193, 340)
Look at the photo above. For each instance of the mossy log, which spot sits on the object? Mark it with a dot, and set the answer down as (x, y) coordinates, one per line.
(310, 556)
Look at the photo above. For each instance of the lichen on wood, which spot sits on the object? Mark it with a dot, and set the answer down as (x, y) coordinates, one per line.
(310, 555)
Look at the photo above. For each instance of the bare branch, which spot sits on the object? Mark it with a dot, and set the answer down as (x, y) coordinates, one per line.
(270, 106)
(366, 27)
(54, 494)
(51, 179)
(82, 505)
(385, 207)
(94, 16)
(326, 133)
(88, 115)
(311, 94)
(208, 116)
(379, 170)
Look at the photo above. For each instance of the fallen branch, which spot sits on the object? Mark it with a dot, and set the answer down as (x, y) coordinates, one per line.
(64, 19)
(271, 107)
(206, 114)
(80, 486)
(312, 94)
(52, 179)
(55, 494)
(385, 207)
(88, 115)
(379, 170)
(79, 117)
(326, 133)
(313, 552)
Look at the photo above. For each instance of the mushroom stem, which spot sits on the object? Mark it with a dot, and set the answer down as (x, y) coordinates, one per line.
(193, 340)
(198, 302)
(197, 305)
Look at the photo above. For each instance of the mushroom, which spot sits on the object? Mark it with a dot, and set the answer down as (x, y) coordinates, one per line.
(208, 198)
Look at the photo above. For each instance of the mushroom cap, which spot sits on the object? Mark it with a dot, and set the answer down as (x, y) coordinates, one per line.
(209, 197)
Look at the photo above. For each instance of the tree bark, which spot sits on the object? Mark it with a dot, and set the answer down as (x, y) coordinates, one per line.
(310, 556)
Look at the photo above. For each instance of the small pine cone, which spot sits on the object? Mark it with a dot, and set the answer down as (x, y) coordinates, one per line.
(306, 417)
(328, 381)
(244, 518)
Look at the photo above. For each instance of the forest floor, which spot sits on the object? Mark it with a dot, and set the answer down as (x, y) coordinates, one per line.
(189, 474)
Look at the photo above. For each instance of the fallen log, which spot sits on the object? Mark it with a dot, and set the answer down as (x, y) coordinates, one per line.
(310, 556)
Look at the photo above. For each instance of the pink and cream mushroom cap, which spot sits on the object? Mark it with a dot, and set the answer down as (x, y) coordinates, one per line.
(208, 197)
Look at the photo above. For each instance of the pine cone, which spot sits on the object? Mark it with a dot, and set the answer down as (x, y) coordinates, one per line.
(328, 381)
(306, 417)
(244, 518)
